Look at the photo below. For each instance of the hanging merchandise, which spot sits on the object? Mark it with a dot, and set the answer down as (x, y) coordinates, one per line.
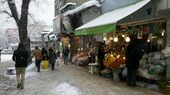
(145, 29)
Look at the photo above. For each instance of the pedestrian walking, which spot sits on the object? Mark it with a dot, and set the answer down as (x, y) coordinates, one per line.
(134, 53)
(65, 55)
(38, 57)
(20, 56)
(52, 58)
(45, 54)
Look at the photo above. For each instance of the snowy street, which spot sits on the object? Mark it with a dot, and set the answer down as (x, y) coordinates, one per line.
(64, 80)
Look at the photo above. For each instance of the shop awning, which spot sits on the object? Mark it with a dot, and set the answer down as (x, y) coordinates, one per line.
(107, 22)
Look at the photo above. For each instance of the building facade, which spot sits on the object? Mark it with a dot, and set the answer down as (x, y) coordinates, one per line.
(163, 10)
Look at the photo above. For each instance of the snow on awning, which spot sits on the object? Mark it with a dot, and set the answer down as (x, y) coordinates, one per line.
(83, 6)
(67, 4)
(108, 20)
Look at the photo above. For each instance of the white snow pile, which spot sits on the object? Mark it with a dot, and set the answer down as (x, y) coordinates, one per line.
(28, 73)
(84, 6)
(6, 57)
(67, 89)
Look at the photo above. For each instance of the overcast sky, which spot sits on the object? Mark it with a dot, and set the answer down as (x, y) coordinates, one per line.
(43, 11)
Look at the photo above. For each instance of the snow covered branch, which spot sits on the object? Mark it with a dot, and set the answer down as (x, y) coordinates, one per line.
(6, 12)
(31, 16)
(13, 8)
(3, 1)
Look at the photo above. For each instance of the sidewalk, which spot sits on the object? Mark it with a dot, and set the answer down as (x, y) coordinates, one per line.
(70, 80)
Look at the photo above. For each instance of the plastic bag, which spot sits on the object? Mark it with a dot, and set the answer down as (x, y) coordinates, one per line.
(124, 73)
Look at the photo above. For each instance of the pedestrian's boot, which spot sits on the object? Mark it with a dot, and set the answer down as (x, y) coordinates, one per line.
(18, 85)
(52, 68)
(22, 86)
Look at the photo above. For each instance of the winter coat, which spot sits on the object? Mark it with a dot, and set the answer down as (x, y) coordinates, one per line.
(37, 54)
(52, 57)
(134, 53)
(45, 54)
(20, 56)
(66, 52)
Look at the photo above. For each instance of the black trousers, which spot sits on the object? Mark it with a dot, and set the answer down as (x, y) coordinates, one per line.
(52, 64)
(131, 76)
(37, 63)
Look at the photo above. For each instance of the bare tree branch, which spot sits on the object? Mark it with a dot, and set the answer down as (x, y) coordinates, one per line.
(6, 12)
(3, 1)
(30, 15)
(13, 9)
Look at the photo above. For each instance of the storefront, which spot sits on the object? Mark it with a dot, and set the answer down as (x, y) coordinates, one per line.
(104, 27)
(116, 37)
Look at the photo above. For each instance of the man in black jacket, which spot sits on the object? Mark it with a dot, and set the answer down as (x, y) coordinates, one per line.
(134, 52)
(20, 56)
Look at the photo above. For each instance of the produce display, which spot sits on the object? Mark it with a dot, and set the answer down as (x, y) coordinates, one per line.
(153, 65)
(113, 61)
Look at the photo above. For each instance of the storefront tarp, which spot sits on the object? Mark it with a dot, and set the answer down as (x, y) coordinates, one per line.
(103, 23)
(95, 30)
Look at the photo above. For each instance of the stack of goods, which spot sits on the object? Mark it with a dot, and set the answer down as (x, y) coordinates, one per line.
(152, 66)
(75, 58)
(113, 61)
(80, 59)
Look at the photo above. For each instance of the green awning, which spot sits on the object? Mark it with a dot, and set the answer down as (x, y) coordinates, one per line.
(96, 30)
(106, 22)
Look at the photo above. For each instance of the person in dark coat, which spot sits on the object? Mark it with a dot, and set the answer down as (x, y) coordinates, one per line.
(101, 55)
(44, 53)
(134, 53)
(65, 55)
(52, 58)
(20, 56)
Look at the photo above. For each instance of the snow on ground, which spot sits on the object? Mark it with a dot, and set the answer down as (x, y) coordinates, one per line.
(67, 89)
(6, 57)
(66, 80)
(29, 72)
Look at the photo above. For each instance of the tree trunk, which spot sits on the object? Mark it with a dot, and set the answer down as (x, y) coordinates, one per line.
(21, 23)
(25, 40)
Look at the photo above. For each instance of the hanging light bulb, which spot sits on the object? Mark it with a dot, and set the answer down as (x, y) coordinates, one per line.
(123, 36)
(69, 46)
(127, 39)
(60, 43)
(111, 38)
(115, 39)
(148, 40)
(163, 33)
(104, 38)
